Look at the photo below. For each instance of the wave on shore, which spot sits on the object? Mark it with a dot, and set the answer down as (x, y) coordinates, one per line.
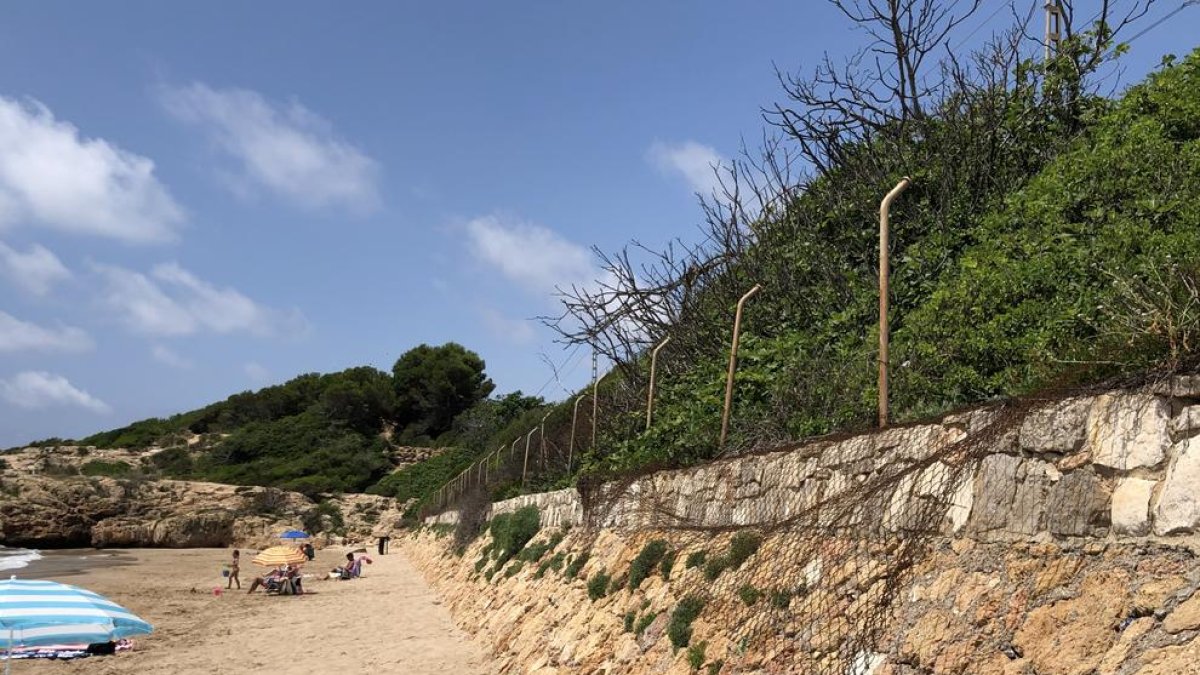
(16, 558)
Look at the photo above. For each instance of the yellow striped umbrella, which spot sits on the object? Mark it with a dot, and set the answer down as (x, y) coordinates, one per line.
(279, 555)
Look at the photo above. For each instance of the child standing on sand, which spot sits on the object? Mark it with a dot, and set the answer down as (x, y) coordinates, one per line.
(233, 570)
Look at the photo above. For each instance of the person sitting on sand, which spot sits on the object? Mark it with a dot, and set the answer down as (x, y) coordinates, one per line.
(353, 567)
(265, 581)
(343, 571)
(295, 579)
(234, 565)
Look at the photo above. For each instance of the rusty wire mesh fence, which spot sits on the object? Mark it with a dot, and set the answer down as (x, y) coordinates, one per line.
(806, 552)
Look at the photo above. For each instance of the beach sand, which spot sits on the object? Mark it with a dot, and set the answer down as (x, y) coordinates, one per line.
(389, 621)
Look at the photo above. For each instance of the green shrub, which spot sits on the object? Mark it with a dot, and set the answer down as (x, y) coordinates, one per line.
(511, 531)
(715, 667)
(576, 565)
(629, 617)
(513, 569)
(597, 586)
(781, 598)
(695, 655)
(100, 467)
(667, 564)
(741, 548)
(326, 516)
(644, 623)
(534, 552)
(679, 629)
(483, 560)
(695, 559)
(714, 567)
(641, 567)
(749, 594)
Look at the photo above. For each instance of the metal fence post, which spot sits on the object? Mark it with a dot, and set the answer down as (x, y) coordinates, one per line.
(525, 467)
(884, 272)
(574, 419)
(733, 349)
(653, 369)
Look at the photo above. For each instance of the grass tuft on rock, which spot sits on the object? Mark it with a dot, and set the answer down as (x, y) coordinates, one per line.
(680, 627)
(650, 556)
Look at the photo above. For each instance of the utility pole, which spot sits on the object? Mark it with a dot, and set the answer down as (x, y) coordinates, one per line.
(595, 398)
(1054, 27)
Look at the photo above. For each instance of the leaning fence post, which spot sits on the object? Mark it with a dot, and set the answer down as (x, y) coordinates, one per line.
(733, 350)
(525, 467)
(542, 437)
(653, 369)
(884, 208)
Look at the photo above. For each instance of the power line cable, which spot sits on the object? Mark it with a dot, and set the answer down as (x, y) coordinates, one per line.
(1156, 24)
(985, 22)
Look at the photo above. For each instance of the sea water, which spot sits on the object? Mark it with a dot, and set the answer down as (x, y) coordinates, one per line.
(16, 558)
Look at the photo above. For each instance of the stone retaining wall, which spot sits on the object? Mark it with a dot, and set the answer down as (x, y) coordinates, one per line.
(1120, 464)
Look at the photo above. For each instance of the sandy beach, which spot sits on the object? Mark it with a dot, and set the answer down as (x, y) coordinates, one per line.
(387, 622)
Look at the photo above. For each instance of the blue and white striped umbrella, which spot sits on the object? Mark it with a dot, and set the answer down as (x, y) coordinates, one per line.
(36, 613)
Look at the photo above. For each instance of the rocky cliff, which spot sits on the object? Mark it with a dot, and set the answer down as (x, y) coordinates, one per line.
(47, 511)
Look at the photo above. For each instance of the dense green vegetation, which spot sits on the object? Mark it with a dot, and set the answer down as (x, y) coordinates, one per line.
(330, 433)
(1049, 237)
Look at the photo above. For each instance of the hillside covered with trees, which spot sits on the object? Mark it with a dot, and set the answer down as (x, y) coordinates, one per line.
(333, 432)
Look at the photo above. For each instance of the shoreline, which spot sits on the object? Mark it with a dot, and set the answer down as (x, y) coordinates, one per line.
(71, 562)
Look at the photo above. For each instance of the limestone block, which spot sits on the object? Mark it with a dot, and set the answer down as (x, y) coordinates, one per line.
(1127, 431)
(1078, 505)
(1178, 506)
(1180, 386)
(1010, 496)
(1056, 427)
(1131, 506)
(1186, 422)
(961, 503)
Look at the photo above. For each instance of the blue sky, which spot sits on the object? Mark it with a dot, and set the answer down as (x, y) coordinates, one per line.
(198, 200)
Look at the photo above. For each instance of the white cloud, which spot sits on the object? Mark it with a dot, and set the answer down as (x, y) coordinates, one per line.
(533, 256)
(173, 301)
(36, 270)
(694, 161)
(256, 372)
(17, 335)
(288, 149)
(35, 389)
(517, 331)
(50, 176)
(169, 357)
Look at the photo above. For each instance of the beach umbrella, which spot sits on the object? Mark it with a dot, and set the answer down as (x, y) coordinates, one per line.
(36, 613)
(279, 555)
(294, 534)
